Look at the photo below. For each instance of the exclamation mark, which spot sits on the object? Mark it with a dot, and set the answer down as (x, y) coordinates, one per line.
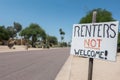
(106, 53)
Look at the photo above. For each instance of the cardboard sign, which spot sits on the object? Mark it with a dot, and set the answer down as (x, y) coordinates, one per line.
(95, 40)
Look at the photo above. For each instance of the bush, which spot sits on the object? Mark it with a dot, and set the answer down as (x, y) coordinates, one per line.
(63, 44)
(1, 43)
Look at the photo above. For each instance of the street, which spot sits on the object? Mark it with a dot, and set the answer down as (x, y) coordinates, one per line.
(32, 65)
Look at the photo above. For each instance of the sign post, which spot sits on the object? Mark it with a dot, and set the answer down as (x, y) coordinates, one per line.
(95, 40)
(90, 69)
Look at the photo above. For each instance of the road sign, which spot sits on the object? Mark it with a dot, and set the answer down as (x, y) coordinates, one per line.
(95, 40)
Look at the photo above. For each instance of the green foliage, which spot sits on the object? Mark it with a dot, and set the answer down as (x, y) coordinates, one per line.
(34, 31)
(119, 39)
(17, 26)
(102, 16)
(63, 44)
(4, 35)
(62, 33)
(52, 40)
(11, 31)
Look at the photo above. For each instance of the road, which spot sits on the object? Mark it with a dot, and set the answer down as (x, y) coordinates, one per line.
(32, 65)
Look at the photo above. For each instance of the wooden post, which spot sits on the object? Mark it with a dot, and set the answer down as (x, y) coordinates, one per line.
(91, 59)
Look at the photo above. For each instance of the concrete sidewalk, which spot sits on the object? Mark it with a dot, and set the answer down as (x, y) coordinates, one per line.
(20, 48)
(76, 68)
(17, 48)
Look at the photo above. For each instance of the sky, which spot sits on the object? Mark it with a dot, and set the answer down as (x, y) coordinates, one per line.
(52, 15)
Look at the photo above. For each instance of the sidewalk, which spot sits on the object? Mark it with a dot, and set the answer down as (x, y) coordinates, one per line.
(17, 48)
(76, 68)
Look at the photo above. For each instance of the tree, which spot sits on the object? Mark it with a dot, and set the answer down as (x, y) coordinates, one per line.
(17, 26)
(118, 43)
(11, 31)
(34, 31)
(52, 40)
(4, 35)
(102, 16)
(62, 33)
(119, 39)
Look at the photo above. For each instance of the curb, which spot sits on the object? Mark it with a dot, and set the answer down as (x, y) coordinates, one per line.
(65, 71)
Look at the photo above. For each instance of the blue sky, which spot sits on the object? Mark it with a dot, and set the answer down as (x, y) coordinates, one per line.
(52, 15)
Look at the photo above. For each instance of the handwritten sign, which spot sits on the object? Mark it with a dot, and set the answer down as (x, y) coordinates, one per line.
(95, 40)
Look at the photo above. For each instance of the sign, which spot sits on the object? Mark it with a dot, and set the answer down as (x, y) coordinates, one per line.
(95, 40)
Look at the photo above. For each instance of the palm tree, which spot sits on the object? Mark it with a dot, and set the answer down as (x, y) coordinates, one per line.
(62, 33)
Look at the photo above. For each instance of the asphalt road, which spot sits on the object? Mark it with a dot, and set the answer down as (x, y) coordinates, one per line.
(32, 65)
